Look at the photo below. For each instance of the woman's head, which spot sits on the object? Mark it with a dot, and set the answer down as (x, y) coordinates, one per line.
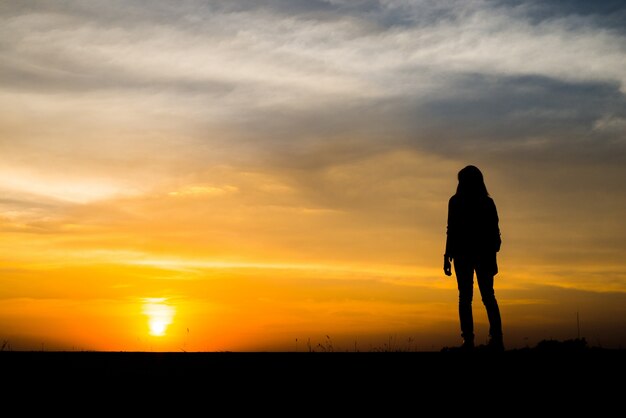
(471, 182)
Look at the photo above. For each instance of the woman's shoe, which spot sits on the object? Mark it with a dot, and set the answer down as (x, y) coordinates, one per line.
(495, 344)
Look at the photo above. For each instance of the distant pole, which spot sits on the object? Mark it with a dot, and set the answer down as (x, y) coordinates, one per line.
(578, 324)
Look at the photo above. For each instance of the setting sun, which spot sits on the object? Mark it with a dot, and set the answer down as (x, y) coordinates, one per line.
(160, 315)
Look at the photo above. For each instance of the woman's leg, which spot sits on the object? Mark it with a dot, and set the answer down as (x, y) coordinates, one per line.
(485, 284)
(464, 270)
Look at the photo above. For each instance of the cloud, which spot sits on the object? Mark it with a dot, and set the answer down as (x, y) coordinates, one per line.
(344, 54)
(321, 100)
(146, 144)
(277, 80)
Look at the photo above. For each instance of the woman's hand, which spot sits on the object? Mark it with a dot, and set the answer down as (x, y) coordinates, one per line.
(447, 266)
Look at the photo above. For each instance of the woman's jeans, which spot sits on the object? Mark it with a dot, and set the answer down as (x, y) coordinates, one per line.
(486, 268)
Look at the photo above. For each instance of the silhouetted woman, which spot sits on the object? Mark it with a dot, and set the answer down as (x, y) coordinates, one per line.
(472, 241)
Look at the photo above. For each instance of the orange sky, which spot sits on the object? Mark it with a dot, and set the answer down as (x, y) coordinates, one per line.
(251, 179)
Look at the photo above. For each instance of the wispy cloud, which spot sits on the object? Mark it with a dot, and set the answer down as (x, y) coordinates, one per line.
(316, 132)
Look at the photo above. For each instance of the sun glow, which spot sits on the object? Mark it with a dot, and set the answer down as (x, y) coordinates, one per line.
(160, 315)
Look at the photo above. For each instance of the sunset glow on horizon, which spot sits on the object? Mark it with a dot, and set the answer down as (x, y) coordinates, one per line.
(274, 176)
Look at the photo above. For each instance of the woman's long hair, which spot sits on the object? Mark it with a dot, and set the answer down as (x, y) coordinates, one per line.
(471, 183)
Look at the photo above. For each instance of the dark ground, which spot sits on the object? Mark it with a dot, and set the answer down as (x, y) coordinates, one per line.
(554, 379)
(550, 359)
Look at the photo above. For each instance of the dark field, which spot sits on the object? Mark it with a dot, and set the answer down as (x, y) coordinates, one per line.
(555, 364)
(521, 382)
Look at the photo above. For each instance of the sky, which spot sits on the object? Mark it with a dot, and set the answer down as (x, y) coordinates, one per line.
(273, 175)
